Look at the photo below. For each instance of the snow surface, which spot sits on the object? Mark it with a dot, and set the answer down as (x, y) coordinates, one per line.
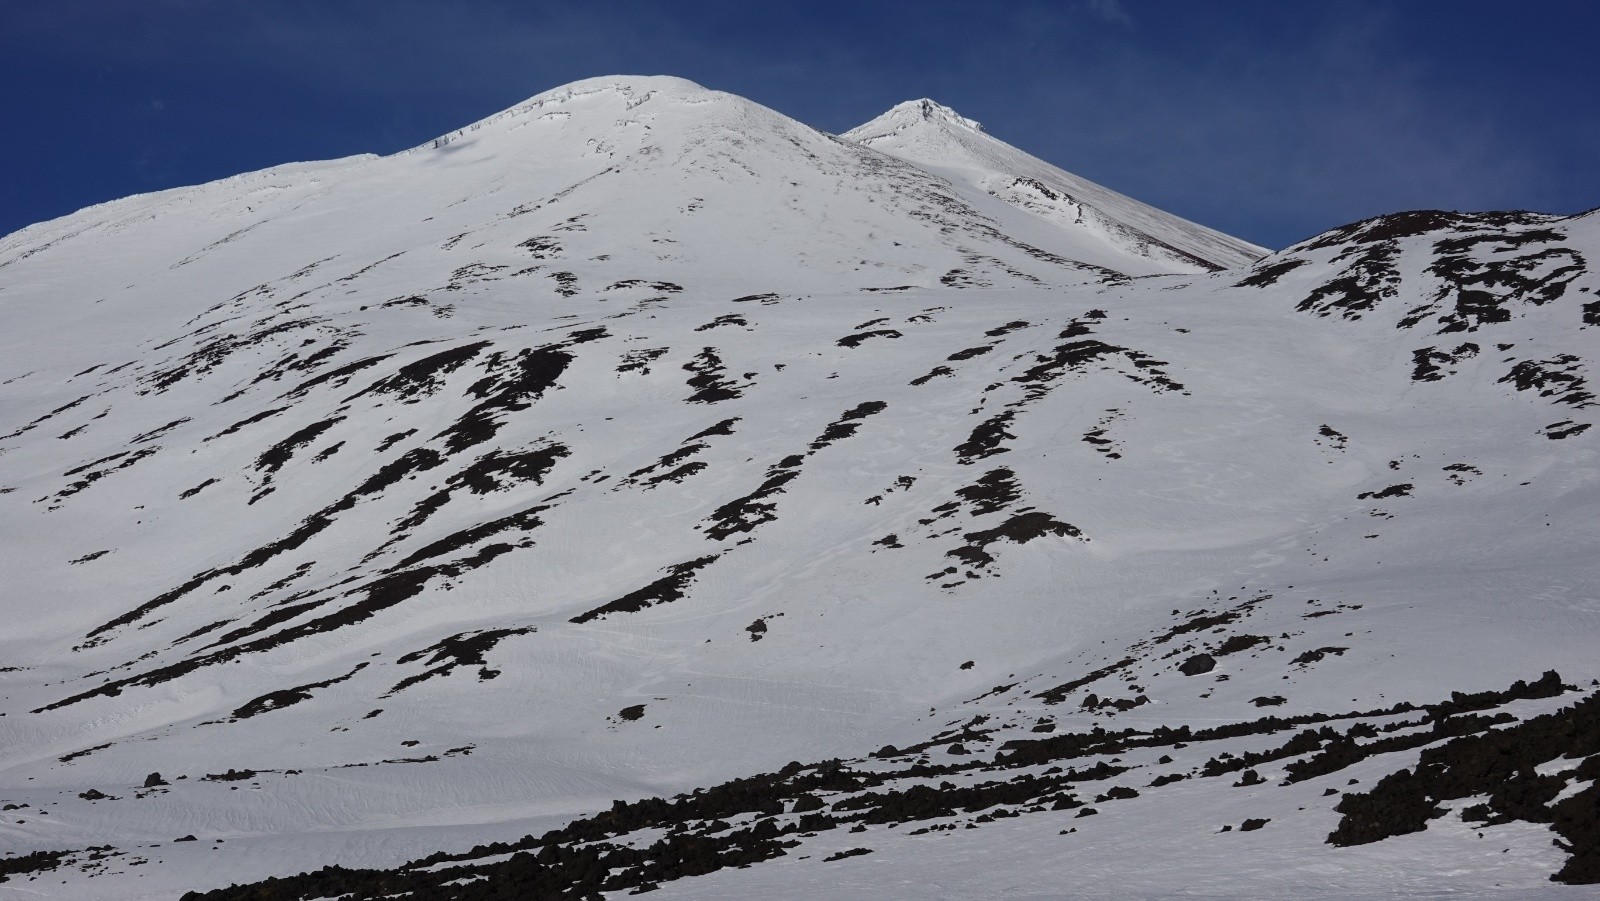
(944, 142)
(279, 448)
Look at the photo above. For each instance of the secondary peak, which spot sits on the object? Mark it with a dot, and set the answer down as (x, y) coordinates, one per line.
(911, 114)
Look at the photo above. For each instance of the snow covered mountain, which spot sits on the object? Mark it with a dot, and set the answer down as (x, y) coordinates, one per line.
(640, 489)
(942, 141)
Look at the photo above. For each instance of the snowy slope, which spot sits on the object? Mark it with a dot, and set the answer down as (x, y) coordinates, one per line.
(640, 439)
(944, 142)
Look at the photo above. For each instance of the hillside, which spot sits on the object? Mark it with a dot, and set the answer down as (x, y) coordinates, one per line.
(893, 495)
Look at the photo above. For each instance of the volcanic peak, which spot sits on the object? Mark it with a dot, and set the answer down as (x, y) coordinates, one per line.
(910, 114)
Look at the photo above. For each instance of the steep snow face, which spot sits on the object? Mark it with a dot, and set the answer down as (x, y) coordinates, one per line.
(944, 142)
(640, 440)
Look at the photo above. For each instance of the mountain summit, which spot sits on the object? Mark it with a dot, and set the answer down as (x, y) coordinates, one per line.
(940, 140)
(641, 490)
(907, 115)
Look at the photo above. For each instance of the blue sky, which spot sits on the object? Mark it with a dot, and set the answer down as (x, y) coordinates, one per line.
(1269, 119)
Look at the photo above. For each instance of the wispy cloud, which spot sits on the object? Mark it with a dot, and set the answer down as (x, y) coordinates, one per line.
(1110, 11)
